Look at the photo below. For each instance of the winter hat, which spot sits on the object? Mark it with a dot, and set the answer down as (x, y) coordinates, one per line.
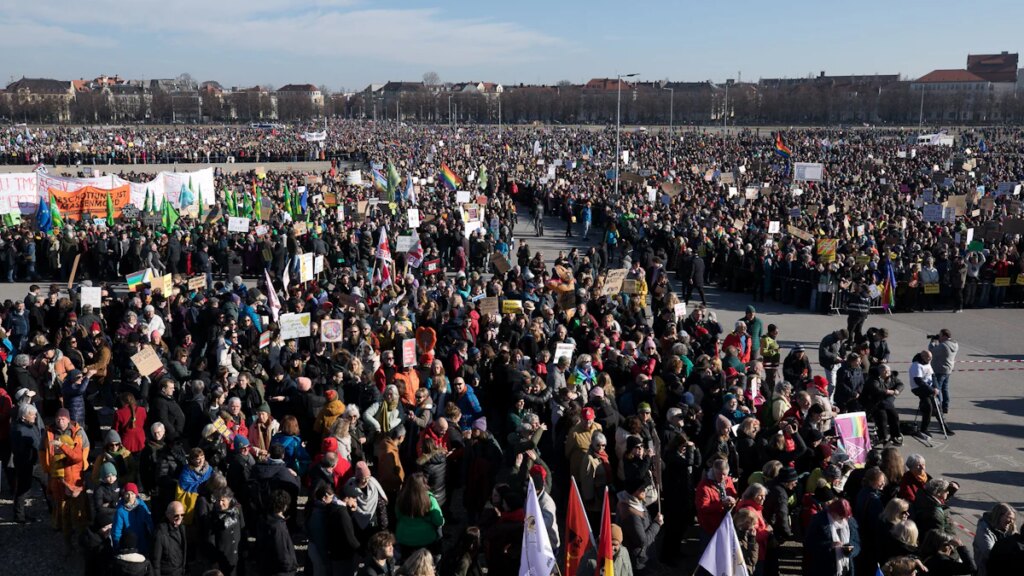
(616, 533)
(362, 470)
(63, 412)
(480, 424)
(241, 442)
(73, 375)
(95, 328)
(820, 383)
(786, 475)
(538, 472)
(108, 469)
(264, 407)
(132, 488)
(588, 414)
(329, 444)
(331, 395)
(633, 442)
(112, 437)
(597, 392)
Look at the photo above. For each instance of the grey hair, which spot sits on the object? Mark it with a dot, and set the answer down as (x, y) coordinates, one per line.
(598, 438)
(235, 400)
(740, 324)
(529, 419)
(157, 426)
(914, 459)
(936, 486)
(352, 410)
(754, 490)
(22, 360)
(26, 410)
(783, 387)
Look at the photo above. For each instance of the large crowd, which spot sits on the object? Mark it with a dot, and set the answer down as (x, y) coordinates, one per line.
(182, 427)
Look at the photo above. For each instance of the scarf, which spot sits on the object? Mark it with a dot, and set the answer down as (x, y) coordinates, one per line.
(366, 501)
(603, 457)
(841, 535)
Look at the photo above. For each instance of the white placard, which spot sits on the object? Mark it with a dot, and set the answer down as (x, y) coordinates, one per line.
(733, 191)
(305, 267)
(471, 226)
(404, 243)
(564, 350)
(462, 197)
(414, 217)
(93, 296)
(341, 214)
(294, 326)
(318, 264)
(354, 178)
(774, 227)
(808, 171)
(680, 310)
(237, 224)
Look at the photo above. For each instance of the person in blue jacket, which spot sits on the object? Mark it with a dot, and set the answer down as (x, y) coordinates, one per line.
(133, 515)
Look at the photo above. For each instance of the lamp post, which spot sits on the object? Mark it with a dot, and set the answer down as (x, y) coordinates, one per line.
(618, 126)
(671, 101)
(450, 109)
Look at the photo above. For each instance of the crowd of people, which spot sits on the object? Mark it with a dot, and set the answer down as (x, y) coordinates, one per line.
(177, 430)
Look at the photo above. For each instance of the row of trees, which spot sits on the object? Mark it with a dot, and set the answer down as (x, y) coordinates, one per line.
(702, 104)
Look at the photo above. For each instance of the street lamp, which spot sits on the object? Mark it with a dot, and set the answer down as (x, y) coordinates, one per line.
(671, 99)
(618, 126)
(450, 109)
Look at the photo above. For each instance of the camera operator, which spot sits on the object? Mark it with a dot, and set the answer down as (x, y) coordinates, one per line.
(922, 379)
(943, 349)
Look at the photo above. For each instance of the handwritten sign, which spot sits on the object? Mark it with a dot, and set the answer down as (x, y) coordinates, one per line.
(511, 306)
(197, 283)
(564, 350)
(613, 281)
(146, 361)
(414, 217)
(295, 326)
(92, 296)
(488, 306)
(236, 224)
(501, 263)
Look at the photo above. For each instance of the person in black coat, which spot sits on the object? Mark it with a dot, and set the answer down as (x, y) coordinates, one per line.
(434, 465)
(849, 384)
(224, 529)
(879, 400)
(696, 280)
(277, 552)
(1007, 555)
(343, 545)
(170, 547)
(867, 510)
(165, 409)
(831, 528)
(945, 555)
(26, 442)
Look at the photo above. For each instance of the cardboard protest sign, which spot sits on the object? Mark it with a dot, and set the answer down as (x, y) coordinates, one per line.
(197, 283)
(488, 306)
(300, 228)
(146, 361)
(629, 287)
(799, 233)
(613, 281)
(236, 224)
(501, 264)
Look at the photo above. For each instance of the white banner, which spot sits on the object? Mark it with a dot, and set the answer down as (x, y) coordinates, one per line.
(808, 171)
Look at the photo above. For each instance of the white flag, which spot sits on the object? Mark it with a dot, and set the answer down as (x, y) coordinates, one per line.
(287, 276)
(537, 558)
(723, 556)
(272, 299)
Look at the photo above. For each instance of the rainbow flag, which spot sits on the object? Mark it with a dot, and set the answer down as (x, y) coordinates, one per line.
(137, 278)
(780, 148)
(451, 181)
(889, 286)
(380, 182)
(853, 433)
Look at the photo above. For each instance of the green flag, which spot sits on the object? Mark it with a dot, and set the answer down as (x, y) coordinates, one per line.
(199, 200)
(110, 210)
(55, 218)
(483, 177)
(170, 217)
(259, 204)
(393, 181)
(229, 199)
(247, 205)
(147, 206)
(288, 200)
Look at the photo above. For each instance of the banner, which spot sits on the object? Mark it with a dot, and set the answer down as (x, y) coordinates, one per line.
(19, 193)
(91, 201)
(853, 431)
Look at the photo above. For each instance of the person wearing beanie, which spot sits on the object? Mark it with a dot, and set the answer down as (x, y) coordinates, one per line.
(106, 494)
(115, 453)
(622, 563)
(64, 455)
(577, 441)
(129, 559)
(325, 419)
(133, 520)
(73, 392)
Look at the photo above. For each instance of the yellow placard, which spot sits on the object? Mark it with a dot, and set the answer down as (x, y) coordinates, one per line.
(511, 306)
(1004, 281)
(931, 288)
(1020, 279)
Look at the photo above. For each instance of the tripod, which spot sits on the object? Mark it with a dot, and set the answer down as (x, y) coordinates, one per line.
(938, 415)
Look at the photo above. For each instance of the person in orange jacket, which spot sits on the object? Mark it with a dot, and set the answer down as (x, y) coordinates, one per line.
(64, 458)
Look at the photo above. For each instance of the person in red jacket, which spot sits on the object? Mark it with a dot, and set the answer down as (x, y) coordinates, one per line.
(715, 496)
(914, 478)
(753, 498)
(130, 423)
(740, 340)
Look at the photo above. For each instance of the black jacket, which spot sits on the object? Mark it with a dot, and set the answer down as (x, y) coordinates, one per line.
(167, 411)
(342, 541)
(776, 511)
(170, 550)
(224, 534)
(277, 552)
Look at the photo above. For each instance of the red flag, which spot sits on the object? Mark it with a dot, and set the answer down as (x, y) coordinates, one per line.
(604, 546)
(577, 531)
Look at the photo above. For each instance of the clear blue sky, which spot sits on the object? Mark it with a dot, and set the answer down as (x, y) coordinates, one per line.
(351, 43)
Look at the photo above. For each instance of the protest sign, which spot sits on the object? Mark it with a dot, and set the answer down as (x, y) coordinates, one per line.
(808, 171)
(564, 350)
(932, 213)
(432, 267)
(318, 264)
(613, 281)
(306, 267)
(295, 326)
(511, 306)
(853, 432)
(774, 227)
(264, 339)
(404, 243)
(197, 283)
(332, 330)
(799, 233)
(89, 199)
(237, 224)
(827, 250)
(300, 228)
(162, 284)
(92, 296)
(414, 218)
(146, 361)
(566, 300)
(462, 197)
(409, 353)
(629, 287)
(680, 310)
(262, 230)
(500, 263)
(488, 306)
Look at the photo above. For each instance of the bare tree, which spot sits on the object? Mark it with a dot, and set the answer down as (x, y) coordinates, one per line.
(431, 78)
